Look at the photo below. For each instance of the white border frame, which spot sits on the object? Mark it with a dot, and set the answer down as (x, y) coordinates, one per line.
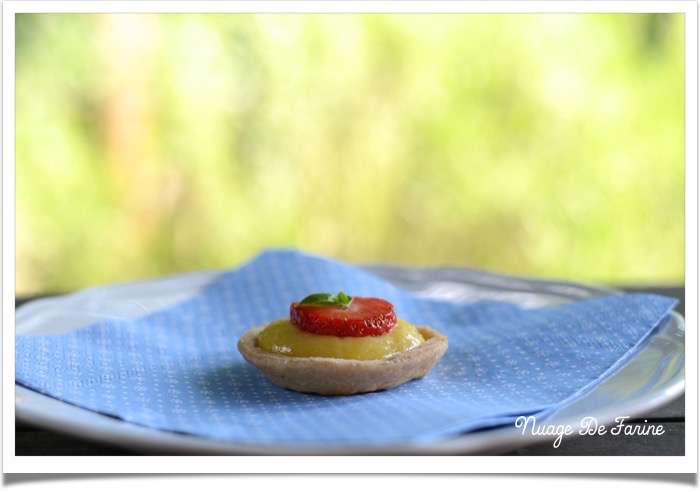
(344, 464)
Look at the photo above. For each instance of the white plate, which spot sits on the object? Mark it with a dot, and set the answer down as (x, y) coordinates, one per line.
(652, 378)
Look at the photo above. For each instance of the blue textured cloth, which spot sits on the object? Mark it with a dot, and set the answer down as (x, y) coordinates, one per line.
(179, 370)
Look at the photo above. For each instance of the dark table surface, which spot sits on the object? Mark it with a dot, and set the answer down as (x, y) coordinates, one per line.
(32, 440)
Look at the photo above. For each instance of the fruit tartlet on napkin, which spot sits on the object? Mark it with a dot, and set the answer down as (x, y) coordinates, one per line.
(178, 369)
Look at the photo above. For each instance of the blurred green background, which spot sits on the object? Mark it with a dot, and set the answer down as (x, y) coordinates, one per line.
(539, 145)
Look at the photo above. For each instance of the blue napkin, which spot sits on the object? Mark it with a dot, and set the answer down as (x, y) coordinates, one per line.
(179, 369)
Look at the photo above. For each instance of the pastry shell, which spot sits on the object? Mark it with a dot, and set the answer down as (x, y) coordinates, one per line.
(331, 376)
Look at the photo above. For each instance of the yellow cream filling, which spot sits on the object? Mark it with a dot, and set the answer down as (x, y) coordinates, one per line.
(283, 337)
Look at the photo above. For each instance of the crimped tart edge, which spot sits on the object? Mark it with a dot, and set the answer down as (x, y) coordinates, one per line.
(332, 376)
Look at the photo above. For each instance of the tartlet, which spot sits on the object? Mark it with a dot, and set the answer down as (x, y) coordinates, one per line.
(343, 376)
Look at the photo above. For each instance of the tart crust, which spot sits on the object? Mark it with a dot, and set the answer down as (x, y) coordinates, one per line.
(332, 376)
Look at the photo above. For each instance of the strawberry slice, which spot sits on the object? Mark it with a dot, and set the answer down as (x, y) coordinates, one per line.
(330, 315)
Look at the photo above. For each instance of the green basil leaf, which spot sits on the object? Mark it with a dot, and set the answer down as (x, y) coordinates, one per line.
(316, 298)
(342, 300)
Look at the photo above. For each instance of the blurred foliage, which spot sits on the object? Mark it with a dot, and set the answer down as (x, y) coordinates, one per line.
(538, 145)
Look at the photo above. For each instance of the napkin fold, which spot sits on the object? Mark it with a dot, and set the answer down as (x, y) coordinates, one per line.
(179, 369)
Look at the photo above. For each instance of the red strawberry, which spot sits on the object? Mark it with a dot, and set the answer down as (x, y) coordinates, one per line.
(362, 316)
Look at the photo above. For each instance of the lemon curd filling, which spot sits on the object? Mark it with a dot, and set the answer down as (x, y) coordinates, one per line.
(283, 337)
